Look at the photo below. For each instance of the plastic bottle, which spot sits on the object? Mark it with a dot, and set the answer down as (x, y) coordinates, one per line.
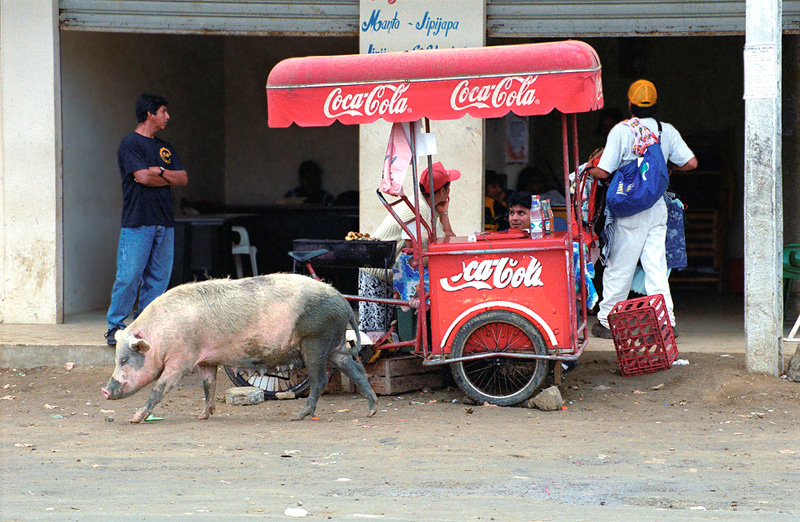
(537, 221)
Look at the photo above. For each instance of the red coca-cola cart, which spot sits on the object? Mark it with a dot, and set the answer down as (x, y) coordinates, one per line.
(503, 306)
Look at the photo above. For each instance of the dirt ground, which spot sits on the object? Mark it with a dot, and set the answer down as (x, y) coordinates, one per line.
(704, 441)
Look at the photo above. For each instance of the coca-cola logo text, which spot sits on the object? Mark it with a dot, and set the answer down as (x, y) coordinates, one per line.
(494, 273)
(508, 92)
(382, 99)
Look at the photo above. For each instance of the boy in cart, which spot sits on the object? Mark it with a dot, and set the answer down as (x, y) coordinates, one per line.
(519, 210)
(519, 216)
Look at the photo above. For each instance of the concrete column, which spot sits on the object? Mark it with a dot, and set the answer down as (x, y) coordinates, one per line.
(460, 146)
(763, 206)
(460, 143)
(31, 259)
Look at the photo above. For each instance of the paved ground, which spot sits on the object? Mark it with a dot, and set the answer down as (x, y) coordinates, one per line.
(704, 441)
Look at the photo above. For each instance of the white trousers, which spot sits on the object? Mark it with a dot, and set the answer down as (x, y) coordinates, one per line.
(640, 237)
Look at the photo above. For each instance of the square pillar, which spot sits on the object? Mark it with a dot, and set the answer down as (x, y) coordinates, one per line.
(31, 253)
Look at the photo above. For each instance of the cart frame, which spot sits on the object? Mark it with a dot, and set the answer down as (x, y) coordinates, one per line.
(446, 84)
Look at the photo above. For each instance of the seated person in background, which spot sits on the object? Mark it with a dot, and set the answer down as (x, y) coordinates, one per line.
(495, 211)
(311, 186)
(533, 180)
(519, 210)
(372, 282)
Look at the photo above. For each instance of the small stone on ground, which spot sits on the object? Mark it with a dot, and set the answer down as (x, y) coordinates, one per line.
(547, 400)
(244, 395)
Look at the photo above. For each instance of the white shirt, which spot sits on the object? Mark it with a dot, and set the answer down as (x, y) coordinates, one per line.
(389, 229)
(619, 145)
(425, 213)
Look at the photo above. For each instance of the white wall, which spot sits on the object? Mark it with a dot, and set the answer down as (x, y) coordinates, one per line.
(30, 209)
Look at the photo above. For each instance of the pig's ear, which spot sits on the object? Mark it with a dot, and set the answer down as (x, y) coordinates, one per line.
(140, 345)
(118, 335)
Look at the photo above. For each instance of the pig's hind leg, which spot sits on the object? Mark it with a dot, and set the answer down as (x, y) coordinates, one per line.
(316, 367)
(208, 373)
(355, 371)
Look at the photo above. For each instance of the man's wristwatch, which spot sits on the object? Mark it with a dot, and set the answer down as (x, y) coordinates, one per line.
(162, 171)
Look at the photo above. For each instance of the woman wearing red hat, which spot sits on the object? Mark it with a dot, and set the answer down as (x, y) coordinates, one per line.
(375, 317)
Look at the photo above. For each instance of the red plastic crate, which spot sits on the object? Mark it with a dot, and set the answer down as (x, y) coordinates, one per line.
(642, 335)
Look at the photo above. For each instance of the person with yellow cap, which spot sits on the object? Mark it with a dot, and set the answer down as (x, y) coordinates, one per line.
(640, 237)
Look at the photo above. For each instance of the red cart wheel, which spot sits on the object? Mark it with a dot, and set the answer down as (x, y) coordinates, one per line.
(503, 381)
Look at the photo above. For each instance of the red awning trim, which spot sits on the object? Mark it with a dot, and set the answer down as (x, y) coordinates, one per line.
(485, 82)
(462, 77)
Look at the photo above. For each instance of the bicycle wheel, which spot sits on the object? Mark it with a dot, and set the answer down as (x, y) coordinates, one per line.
(503, 381)
(271, 381)
(283, 380)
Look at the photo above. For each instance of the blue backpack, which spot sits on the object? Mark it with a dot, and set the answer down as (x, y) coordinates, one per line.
(639, 184)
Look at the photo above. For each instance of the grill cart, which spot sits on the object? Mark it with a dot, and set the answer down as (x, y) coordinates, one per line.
(504, 307)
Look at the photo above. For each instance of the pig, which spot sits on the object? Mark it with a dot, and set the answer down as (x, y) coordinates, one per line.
(265, 322)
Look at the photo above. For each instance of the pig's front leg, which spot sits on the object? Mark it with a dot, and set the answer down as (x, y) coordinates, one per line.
(167, 381)
(209, 376)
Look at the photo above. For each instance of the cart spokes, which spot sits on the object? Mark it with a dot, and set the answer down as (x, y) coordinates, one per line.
(503, 379)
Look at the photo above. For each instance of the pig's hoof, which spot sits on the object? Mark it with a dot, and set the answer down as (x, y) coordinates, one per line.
(372, 412)
(298, 418)
(207, 412)
(137, 418)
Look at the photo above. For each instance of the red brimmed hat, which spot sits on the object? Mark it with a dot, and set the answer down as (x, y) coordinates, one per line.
(441, 176)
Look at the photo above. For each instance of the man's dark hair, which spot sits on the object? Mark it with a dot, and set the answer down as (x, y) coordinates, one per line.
(493, 178)
(520, 197)
(148, 103)
(309, 168)
(644, 112)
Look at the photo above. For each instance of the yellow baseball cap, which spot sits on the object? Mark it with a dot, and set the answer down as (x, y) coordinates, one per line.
(642, 93)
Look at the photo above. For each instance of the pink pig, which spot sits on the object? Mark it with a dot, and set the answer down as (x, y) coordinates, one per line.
(265, 322)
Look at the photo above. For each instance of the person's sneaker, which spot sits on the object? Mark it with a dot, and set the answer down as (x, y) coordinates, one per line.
(674, 332)
(598, 330)
(110, 336)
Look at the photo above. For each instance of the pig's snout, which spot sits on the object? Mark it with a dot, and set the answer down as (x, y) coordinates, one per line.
(112, 390)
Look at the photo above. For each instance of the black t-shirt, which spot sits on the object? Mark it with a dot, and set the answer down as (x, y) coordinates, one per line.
(142, 205)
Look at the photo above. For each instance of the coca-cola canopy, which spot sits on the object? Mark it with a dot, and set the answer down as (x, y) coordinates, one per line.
(484, 82)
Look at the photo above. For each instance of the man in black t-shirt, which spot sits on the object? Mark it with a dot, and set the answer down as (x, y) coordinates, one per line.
(149, 167)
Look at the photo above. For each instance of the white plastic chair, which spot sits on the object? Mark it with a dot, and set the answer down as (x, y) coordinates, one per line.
(243, 248)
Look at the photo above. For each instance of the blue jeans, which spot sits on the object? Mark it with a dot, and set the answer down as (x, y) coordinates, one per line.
(144, 258)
